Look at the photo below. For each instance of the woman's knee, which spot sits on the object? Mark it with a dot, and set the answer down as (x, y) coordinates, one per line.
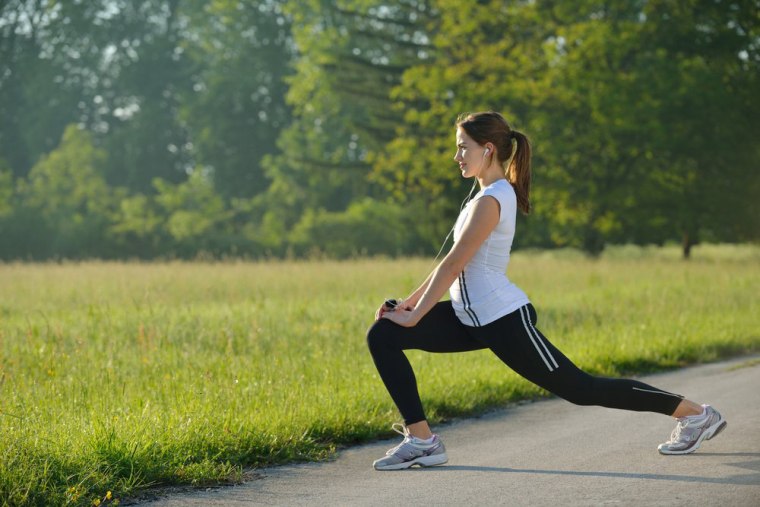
(378, 335)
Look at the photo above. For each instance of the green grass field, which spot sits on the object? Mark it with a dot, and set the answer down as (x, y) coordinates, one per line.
(116, 376)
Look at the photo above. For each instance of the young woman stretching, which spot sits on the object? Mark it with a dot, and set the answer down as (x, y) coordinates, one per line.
(488, 311)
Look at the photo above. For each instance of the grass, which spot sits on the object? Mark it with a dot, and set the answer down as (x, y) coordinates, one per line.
(117, 376)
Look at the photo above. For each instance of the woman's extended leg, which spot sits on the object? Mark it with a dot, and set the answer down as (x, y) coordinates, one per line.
(518, 343)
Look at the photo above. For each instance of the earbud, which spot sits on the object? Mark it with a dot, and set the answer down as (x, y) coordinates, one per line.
(486, 152)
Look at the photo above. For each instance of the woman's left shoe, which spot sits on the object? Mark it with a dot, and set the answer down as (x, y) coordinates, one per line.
(690, 432)
(412, 451)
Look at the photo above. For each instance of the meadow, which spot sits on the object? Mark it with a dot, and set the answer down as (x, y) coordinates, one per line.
(118, 376)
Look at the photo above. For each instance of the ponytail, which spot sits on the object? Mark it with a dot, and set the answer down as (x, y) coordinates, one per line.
(518, 171)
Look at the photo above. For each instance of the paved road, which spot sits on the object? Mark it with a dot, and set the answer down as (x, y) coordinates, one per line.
(545, 453)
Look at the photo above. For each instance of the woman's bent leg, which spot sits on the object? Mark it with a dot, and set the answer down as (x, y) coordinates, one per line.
(438, 331)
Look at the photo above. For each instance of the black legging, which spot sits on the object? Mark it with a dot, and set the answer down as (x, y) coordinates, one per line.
(516, 341)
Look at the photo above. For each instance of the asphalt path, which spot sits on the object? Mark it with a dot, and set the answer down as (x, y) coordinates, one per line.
(544, 453)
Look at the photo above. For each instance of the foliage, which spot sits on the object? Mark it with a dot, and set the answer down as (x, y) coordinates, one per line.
(6, 192)
(365, 228)
(290, 118)
(67, 197)
(642, 114)
(236, 108)
(350, 54)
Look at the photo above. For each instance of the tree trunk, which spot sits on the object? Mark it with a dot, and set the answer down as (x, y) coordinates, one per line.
(593, 243)
(686, 244)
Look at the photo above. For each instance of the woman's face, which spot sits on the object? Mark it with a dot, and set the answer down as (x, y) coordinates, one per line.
(470, 155)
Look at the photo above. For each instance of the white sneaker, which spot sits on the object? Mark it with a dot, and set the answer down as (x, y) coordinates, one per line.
(412, 451)
(690, 431)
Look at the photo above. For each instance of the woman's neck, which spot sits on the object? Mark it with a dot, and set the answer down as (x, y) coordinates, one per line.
(492, 174)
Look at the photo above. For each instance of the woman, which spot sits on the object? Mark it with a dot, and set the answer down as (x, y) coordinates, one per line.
(488, 311)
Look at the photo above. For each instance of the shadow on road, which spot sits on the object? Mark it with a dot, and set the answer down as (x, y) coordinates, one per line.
(746, 479)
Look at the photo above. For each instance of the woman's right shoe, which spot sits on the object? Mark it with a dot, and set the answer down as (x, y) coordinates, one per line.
(412, 451)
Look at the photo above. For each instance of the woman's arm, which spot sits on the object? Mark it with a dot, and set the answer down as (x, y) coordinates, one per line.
(411, 301)
(480, 223)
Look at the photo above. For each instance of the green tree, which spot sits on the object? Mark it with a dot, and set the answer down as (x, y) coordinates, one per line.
(704, 61)
(236, 109)
(65, 196)
(46, 67)
(196, 216)
(659, 103)
(6, 191)
(350, 55)
(146, 70)
(113, 66)
(614, 96)
(137, 226)
(7, 194)
(365, 228)
(273, 124)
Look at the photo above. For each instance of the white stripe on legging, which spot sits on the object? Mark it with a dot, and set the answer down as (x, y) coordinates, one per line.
(658, 392)
(532, 339)
(540, 340)
(470, 312)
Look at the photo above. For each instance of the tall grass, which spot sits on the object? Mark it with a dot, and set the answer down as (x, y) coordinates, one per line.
(114, 376)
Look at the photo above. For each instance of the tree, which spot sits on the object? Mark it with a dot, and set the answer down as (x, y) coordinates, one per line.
(136, 226)
(67, 198)
(350, 55)
(6, 191)
(112, 66)
(146, 70)
(705, 63)
(626, 103)
(277, 122)
(194, 211)
(663, 97)
(234, 113)
(45, 73)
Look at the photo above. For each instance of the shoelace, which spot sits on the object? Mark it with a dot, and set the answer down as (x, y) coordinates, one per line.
(676, 434)
(401, 430)
(683, 425)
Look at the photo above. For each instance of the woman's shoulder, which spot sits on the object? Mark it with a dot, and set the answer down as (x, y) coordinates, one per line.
(501, 189)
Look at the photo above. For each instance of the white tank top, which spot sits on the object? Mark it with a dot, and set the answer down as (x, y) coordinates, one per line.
(482, 293)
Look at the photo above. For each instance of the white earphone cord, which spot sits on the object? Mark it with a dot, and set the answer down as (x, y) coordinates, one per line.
(451, 231)
(461, 207)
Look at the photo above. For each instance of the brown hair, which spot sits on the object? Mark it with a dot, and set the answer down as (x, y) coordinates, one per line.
(491, 127)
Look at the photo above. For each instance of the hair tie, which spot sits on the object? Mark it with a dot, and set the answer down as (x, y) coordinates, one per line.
(513, 134)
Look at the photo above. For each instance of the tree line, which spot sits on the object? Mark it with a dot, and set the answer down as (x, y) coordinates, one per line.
(175, 128)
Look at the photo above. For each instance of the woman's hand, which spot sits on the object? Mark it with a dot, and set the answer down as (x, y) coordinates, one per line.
(404, 304)
(401, 304)
(405, 317)
(383, 309)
